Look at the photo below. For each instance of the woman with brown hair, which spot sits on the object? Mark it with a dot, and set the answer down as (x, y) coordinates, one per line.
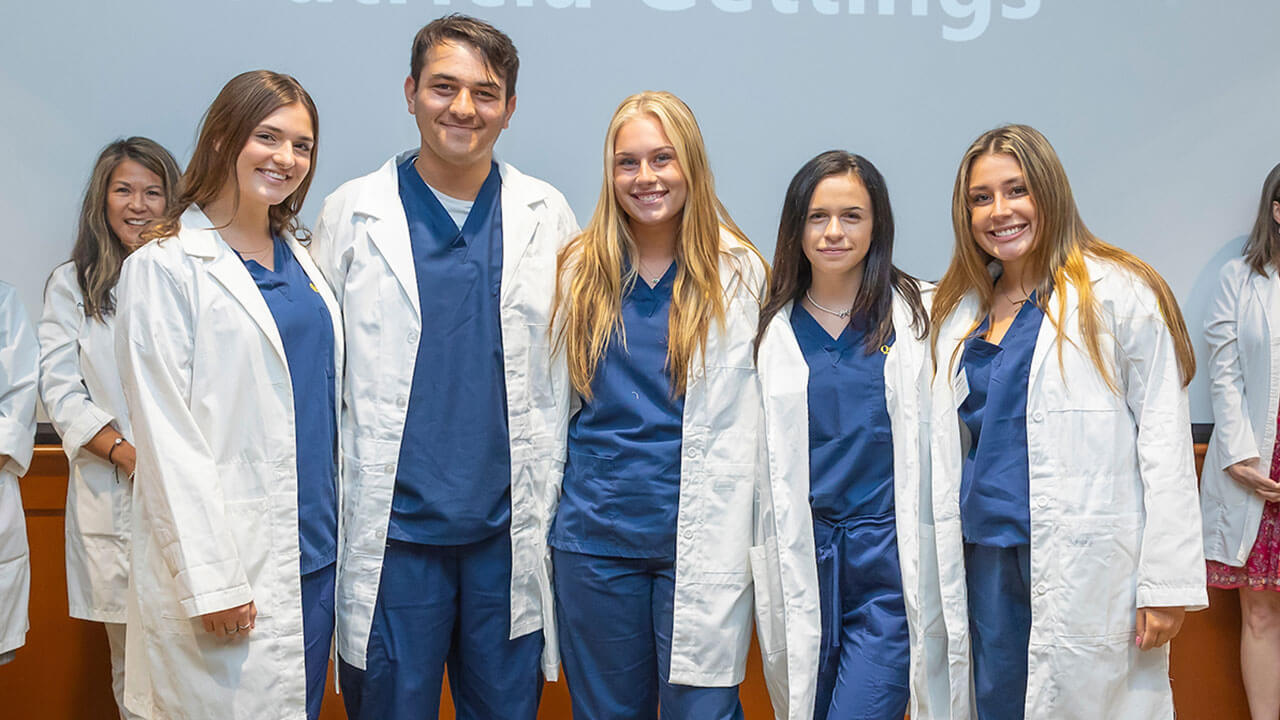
(231, 346)
(1241, 502)
(1064, 490)
(133, 183)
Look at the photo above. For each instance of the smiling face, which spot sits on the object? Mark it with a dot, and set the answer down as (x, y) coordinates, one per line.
(460, 105)
(277, 156)
(135, 196)
(1002, 212)
(837, 227)
(647, 179)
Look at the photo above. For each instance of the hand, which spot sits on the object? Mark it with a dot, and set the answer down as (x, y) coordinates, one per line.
(1246, 473)
(126, 457)
(1158, 625)
(233, 623)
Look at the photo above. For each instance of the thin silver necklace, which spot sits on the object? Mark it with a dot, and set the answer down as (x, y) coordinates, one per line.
(842, 314)
(644, 271)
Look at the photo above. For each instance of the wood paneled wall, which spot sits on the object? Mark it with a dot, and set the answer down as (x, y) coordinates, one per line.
(63, 671)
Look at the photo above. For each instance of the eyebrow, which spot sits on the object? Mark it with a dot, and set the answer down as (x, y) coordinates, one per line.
(278, 131)
(489, 84)
(658, 149)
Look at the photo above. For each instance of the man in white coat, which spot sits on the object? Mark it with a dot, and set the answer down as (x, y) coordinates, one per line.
(18, 357)
(444, 263)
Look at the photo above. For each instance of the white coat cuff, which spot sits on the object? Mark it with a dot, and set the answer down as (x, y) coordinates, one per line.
(1192, 597)
(17, 440)
(217, 601)
(87, 424)
(1230, 459)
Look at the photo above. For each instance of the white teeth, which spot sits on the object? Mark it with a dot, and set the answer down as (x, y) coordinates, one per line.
(274, 174)
(1008, 231)
(649, 197)
(135, 222)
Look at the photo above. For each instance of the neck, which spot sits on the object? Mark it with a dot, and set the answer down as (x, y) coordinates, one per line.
(655, 242)
(836, 290)
(1017, 279)
(246, 228)
(460, 181)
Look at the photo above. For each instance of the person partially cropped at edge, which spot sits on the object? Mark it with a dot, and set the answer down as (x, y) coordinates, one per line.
(443, 261)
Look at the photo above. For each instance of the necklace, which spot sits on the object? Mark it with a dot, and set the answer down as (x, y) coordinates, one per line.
(842, 314)
(646, 274)
(1016, 303)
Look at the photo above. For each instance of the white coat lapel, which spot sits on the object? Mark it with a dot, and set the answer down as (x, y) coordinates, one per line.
(229, 271)
(519, 223)
(1265, 287)
(388, 227)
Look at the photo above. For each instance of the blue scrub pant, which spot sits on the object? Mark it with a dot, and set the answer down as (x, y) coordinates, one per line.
(317, 632)
(615, 617)
(999, 585)
(864, 664)
(445, 604)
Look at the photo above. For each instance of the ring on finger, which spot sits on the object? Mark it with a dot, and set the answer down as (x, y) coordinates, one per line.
(231, 630)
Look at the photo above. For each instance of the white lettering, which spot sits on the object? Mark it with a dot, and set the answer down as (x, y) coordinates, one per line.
(1026, 12)
(670, 5)
(979, 10)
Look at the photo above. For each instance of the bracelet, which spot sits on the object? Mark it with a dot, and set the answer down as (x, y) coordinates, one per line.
(119, 441)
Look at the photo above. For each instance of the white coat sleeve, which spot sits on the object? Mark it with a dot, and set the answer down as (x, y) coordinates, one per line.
(73, 414)
(1171, 569)
(177, 479)
(1232, 426)
(19, 356)
(330, 246)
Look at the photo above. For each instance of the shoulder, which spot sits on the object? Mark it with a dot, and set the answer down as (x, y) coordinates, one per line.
(743, 258)
(356, 192)
(8, 294)
(532, 189)
(63, 279)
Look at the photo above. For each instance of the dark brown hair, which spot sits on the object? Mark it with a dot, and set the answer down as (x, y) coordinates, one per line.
(1263, 246)
(246, 100)
(98, 253)
(498, 50)
(792, 272)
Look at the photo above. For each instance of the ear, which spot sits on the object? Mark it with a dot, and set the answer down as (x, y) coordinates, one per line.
(1275, 210)
(511, 110)
(410, 89)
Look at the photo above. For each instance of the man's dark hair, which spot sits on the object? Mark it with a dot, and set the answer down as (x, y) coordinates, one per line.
(498, 50)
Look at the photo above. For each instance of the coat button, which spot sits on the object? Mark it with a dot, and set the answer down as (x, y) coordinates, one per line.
(379, 534)
(389, 468)
(1037, 416)
(411, 338)
(1042, 501)
(1041, 589)
(691, 453)
(688, 534)
(401, 402)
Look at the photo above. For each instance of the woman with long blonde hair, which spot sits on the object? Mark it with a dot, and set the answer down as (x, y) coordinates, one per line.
(133, 183)
(654, 316)
(231, 344)
(1064, 487)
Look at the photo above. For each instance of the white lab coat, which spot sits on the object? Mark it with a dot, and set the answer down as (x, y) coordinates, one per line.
(362, 246)
(722, 476)
(19, 355)
(1244, 366)
(81, 389)
(216, 503)
(784, 379)
(1101, 464)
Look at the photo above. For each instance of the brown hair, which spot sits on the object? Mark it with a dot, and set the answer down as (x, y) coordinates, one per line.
(244, 102)
(1264, 241)
(1058, 255)
(590, 269)
(98, 252)
(496, 47)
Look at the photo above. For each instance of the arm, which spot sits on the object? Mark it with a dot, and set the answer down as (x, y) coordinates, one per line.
(1171, 570)
(330, 252)
(19, 356)
(80, 422)
(1226, 375)
(179, 489)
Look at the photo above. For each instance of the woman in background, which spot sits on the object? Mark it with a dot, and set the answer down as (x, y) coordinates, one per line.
(19, 355)
(844, 367)
(132, 184)
(655, 314)
(231, 344)
(1240, 495)
(1064, 486)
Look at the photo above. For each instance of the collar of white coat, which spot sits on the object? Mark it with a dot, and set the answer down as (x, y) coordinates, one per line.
(380, 197)
(198, 236)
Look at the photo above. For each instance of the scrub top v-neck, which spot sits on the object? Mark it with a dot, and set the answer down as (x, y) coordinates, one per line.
(621, 489)
(306, 330)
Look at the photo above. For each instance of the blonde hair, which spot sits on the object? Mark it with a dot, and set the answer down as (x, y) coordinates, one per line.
(1057, 257)
(596, 266)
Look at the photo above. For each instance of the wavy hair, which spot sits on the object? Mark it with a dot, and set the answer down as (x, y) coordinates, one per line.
(1058, 256)
(1261, 249)
(596, 266)
(792, 272)
(98, 252)
(244, 101)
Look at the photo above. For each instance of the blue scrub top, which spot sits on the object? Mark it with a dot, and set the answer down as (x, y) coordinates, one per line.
(995, 507)
(306, 330)
(621, 489)
(850, 439)
(453, 482)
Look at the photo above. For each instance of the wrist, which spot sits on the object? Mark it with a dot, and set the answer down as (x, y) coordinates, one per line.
(115, 445)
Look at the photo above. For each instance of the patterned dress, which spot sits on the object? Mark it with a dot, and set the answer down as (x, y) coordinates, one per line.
(1262, 570)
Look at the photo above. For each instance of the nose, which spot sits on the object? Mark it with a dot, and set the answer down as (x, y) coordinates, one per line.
(284, 156)
(463, 106)
(834, 230)
(136, 203)
(999, 206)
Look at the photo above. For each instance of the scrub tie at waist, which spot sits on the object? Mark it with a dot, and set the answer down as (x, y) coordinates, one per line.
(831, 560)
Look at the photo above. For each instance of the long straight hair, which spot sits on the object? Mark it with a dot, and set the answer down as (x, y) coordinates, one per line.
(246, 100)
(1058, 256)
(594, 268)
(1261, 249)
(98, 252)
(793, 273)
